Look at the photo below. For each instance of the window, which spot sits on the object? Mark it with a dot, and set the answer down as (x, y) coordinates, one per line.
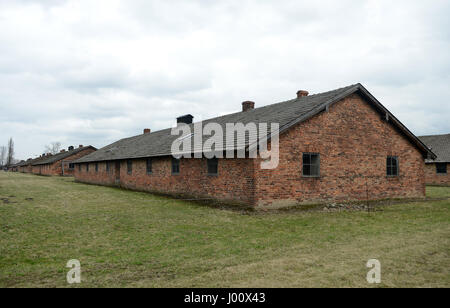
(107, 166)
(96, 167)
(441, 168)
(87, 167)
(175, 166)
(71, 166)
(392, 166)
(149, 165)
(213, 165)
(311, 164)
(129, 166)
(79, 167)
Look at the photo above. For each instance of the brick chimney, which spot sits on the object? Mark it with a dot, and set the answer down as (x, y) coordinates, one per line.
(71, 148)
(186, 119)
(302, 93)
(248, 105)
(147, 131)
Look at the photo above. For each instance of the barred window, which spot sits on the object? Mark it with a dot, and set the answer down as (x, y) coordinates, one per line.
(311, 164)
(107, 166)
(129, 166)
(87, 167)
(175, 166)
(392, 166)
(149, 165)
(71, 166)
(213, 166)
(96, 167)
(441, 168)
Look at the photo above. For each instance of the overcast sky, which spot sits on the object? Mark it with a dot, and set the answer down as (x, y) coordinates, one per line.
(92, 72)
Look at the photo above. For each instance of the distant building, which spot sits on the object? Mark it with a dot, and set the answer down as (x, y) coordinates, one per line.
(13, 168)
(437, 170)
(61, 163)
(26, 166)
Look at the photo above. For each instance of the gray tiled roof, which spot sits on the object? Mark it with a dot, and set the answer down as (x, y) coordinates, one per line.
(54, 158)
(440, 145)
(19, 164)
(30, 161)
(286, 113)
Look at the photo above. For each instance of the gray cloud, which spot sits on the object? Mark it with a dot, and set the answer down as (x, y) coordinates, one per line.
(92, 72)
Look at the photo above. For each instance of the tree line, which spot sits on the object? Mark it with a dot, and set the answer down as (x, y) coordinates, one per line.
(7, 154)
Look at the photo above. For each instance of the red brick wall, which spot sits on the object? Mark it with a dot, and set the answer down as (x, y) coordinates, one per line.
(353, 142)
(101, 177)
(26, 169)
(36, 169)
(431, 177)
(234, 181)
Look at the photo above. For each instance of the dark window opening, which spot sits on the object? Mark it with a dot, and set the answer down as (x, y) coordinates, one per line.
(79, 167)
(129, 166)
(175, 166)
(87, 167)
(96, 167)
(107, 166)
(71, 166)
(441, 168)
(213, 166)
(392, 166)
(311, 164)
(149, 165)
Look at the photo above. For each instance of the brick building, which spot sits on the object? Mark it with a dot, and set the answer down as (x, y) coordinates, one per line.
(436, 170)
(14, 168)
(338, 145)
(26, 166)
(58, 164)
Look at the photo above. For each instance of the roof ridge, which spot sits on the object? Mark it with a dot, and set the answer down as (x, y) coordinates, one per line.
(250, 111)
(437, 135)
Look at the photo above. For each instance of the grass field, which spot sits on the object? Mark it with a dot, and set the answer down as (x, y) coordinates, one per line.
(132, 239)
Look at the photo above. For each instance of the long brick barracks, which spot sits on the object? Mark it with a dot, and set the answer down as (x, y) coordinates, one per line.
(338, 145)
(61, 164)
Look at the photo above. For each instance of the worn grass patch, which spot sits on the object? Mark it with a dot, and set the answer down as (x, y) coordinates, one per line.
(132, 239)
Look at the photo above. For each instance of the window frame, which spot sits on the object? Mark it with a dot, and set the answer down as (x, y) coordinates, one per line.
(71, 166)
(96, 167)
(107, 167)
(129, 166)
(397, 166)
(149, 165)
(310, 165)
(215, 162)
(87, 167)
(445, 168)
(175, 164)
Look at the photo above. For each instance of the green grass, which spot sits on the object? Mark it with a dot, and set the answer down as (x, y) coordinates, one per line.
(438, 192)
(132, 239)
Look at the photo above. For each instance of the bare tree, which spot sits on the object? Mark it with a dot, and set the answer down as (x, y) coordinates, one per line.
(2, 155)
(10, 157)
(53, 148)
